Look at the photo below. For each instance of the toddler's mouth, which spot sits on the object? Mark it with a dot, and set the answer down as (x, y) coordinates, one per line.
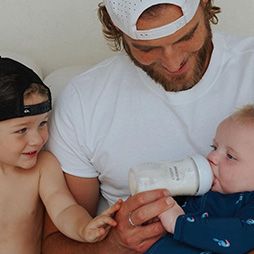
(32, 153)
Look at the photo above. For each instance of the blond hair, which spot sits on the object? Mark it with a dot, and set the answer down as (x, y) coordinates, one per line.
(244, 114)
(35, 88)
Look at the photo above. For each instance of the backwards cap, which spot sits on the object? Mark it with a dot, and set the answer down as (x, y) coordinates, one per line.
(14, 107)
(125, 13)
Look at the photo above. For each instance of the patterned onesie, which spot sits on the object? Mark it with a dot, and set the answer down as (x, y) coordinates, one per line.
(213, 223)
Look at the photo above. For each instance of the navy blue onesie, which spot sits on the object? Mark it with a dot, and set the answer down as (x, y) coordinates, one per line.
(213, 223)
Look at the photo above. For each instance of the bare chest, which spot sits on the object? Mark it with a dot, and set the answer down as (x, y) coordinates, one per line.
(21, 213)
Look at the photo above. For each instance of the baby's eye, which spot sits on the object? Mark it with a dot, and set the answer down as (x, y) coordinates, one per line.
(230, 157)
(21, 131)
(214, 147)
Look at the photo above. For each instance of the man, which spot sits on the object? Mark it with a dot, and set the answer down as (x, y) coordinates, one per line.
(157, 102)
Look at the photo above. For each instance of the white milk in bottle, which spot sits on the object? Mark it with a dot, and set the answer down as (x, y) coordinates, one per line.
(191, 176)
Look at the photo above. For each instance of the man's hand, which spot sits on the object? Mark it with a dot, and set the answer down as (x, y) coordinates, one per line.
(125, 238)
(132, 232)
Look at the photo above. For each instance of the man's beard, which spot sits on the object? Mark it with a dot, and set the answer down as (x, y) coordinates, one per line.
(180, 82)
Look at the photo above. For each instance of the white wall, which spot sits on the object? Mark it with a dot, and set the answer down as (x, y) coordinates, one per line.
(57, 33)
(237, 16)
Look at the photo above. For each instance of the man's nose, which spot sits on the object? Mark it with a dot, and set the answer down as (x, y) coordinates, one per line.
(172, 58)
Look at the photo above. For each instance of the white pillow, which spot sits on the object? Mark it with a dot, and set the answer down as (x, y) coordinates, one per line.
(27, 61)
(59, 78)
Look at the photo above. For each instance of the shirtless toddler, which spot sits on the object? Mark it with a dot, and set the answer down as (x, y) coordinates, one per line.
(30, 177)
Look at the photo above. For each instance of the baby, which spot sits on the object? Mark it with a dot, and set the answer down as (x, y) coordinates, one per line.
(222, 220)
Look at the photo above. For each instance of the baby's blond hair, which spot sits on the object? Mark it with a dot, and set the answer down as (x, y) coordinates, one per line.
(244, 114)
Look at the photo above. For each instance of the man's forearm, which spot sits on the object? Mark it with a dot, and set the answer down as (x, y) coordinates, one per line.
(122, 239)
(57, 243)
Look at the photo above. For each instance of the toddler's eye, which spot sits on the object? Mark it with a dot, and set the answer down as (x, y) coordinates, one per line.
(21, 131)
(44, 123)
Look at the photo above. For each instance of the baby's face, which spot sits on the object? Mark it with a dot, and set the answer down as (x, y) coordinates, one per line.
(232, 158)
(22, 138)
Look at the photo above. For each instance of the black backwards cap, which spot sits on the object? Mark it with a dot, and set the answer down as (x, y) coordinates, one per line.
(25, 76)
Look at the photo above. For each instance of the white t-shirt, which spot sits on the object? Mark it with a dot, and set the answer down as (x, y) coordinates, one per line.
(114, 116)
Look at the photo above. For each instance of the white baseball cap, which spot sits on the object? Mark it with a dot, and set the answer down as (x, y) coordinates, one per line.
(125, 13)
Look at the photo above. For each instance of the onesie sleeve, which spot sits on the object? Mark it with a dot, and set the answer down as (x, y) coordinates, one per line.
(217, 234)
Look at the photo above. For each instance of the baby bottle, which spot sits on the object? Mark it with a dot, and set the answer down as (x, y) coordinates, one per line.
(191, 176)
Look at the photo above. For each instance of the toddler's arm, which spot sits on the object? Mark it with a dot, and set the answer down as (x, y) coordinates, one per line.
(68, 216)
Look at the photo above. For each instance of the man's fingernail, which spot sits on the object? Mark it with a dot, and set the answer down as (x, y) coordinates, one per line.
(166, 193)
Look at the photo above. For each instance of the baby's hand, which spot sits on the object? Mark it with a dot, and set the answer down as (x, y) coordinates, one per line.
(169, 217)
(98, 228)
